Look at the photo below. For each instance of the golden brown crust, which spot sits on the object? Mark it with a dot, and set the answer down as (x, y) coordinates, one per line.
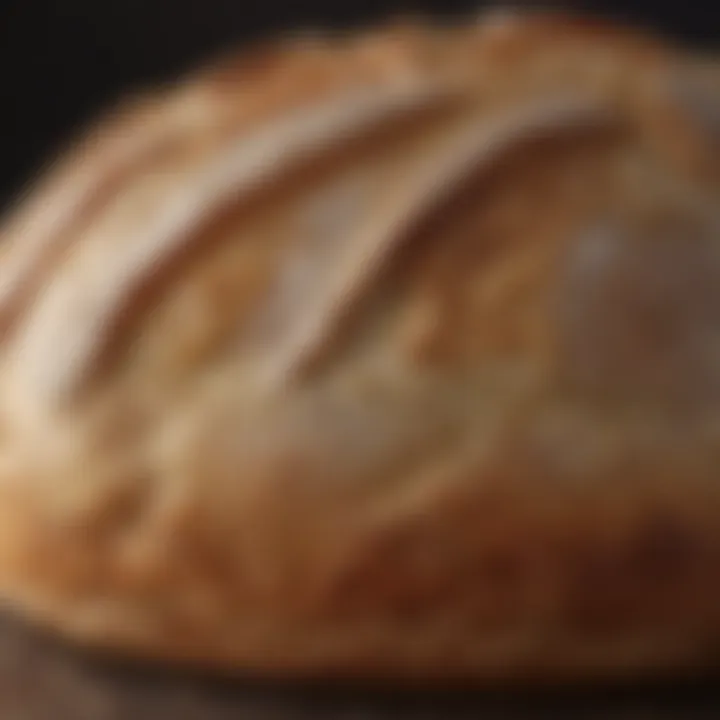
(394, 354)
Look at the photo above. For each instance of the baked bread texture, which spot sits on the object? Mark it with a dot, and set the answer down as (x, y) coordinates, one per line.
(393, 354)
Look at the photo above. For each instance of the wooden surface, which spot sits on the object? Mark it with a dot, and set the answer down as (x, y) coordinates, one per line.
(41, 680)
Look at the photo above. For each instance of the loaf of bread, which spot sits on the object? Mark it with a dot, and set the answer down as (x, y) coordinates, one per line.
(389, 354)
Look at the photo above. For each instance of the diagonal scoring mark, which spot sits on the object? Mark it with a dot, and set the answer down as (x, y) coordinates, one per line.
(73, 325)
(50, 223)
(477, 145)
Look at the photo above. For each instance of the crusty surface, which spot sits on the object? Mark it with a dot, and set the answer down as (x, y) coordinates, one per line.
(394, 354)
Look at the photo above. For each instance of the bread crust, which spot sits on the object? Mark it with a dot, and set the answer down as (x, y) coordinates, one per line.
(393, 354)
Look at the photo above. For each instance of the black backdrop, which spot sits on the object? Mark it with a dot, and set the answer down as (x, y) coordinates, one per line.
(62, 60)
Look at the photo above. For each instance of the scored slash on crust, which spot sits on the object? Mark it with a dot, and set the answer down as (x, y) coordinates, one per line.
(249, 166)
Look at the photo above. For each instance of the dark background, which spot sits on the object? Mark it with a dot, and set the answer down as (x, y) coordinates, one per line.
(62, 60)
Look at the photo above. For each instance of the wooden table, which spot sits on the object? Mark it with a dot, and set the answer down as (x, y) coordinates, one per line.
(41, 680)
